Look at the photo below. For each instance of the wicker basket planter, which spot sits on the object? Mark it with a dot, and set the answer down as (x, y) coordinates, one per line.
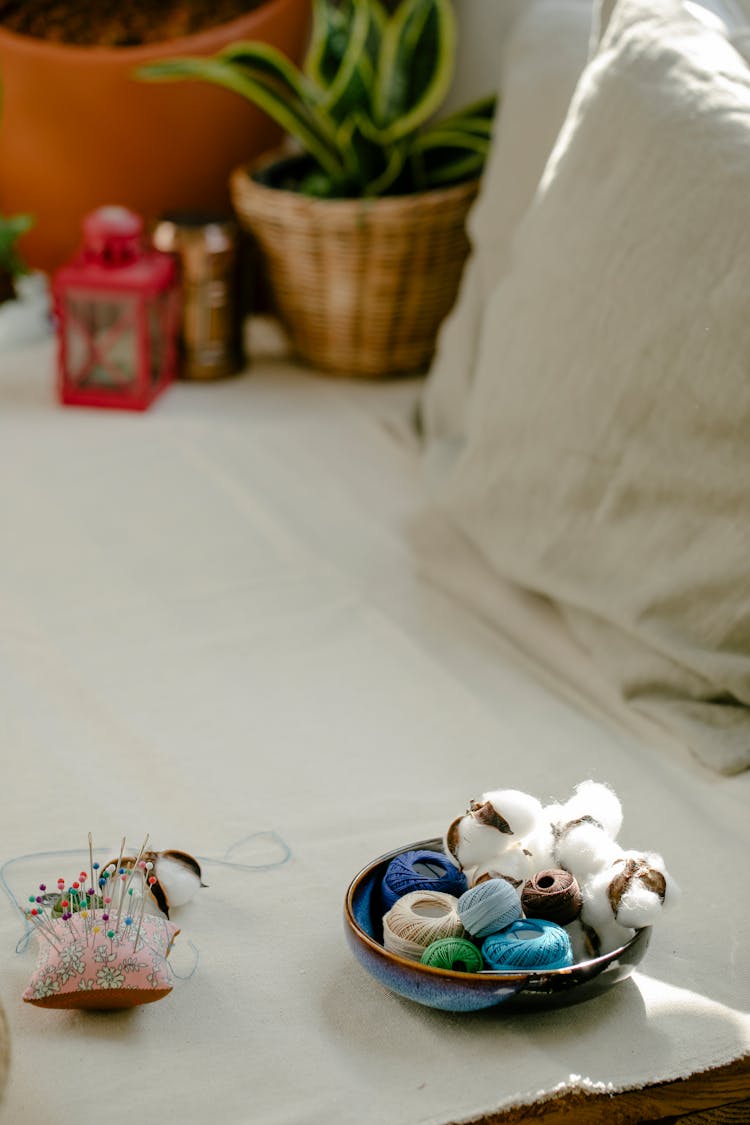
(361, 285)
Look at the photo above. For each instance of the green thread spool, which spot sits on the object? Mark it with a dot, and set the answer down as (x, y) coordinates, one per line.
(453, 953)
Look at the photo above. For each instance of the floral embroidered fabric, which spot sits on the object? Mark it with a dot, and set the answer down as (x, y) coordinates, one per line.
(80, 968)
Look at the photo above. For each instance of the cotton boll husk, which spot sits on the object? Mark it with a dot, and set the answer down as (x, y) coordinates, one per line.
(592, 798)
(471, 843)
(522, 811)
(585, 849)
(179, 881)
(515, 865)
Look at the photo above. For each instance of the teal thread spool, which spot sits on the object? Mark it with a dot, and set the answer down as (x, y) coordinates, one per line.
(528, 943)
(454, 953)
(489, 907)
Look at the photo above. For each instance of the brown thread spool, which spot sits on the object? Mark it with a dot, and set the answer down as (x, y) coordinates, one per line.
(553, 895)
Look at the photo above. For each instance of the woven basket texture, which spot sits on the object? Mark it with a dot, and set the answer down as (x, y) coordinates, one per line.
(361, 285)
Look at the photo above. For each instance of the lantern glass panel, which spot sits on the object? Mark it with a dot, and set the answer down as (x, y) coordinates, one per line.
(101, 342)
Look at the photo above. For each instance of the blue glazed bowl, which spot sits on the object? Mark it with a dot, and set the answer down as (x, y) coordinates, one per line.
(469, 992)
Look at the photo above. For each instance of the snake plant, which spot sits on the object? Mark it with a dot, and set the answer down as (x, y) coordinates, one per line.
(11, 264)
(362, 107)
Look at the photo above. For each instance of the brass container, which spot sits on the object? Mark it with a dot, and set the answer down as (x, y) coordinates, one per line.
(207, 250)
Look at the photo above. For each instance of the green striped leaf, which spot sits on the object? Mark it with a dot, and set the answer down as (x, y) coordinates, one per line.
(330, 34)
(265, 60)
(351, 90)
(484, 109)
(445, 156)
(416, 65)
(288, 111)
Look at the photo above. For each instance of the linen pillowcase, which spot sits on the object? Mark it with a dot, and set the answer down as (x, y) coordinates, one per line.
(607, 454)
(542, 61)
(89, 970)
(730, 17)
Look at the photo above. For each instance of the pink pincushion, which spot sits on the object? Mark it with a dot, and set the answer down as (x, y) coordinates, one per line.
(91, 970)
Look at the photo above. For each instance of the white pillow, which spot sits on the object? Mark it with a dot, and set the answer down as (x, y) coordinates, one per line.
(541, 63)
(606, 463)
(730, 17)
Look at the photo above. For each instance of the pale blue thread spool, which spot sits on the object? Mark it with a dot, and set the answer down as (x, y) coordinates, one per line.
(454, 953)
(489, 907)
(420, 871)
(530, 943)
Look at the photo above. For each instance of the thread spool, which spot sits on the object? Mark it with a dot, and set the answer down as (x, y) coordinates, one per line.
(454, 953)
(530, 943)
(420, 871)
(417, 920)
(489, 907)
(554, 895)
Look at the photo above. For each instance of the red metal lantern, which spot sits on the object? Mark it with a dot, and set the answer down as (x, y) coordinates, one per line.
(117, 307)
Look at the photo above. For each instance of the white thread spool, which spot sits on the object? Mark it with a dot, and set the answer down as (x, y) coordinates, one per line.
(418, 919)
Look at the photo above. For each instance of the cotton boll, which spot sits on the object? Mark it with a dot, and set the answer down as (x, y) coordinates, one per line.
(597, 909)
(472, 843)
(598, 801)
(583, 849)
(179, 876)
(598, 915)
(515, 865)
(640, 887)
(520, 813)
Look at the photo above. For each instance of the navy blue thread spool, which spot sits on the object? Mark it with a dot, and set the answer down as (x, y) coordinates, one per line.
(530, 943)
(420, 871)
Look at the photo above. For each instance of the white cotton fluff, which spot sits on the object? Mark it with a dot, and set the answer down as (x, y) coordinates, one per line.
(541, 841)
(179, 881)
(522, 811)
(597, 913)
(594, 799)
(585, 849)
(471, 843)
(579, 941)
(513, 864)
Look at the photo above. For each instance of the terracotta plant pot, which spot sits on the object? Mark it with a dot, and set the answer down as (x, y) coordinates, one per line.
(78, 130)
(361, 285)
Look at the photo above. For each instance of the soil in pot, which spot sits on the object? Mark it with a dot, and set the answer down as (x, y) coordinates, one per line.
(89, 22)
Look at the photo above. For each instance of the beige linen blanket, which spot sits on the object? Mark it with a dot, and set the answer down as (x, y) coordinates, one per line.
(211, 626)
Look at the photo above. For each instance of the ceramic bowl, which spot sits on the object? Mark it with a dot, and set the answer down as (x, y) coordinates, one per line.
(467, 992)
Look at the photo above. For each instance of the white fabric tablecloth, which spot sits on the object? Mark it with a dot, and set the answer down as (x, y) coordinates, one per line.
(211, 625)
